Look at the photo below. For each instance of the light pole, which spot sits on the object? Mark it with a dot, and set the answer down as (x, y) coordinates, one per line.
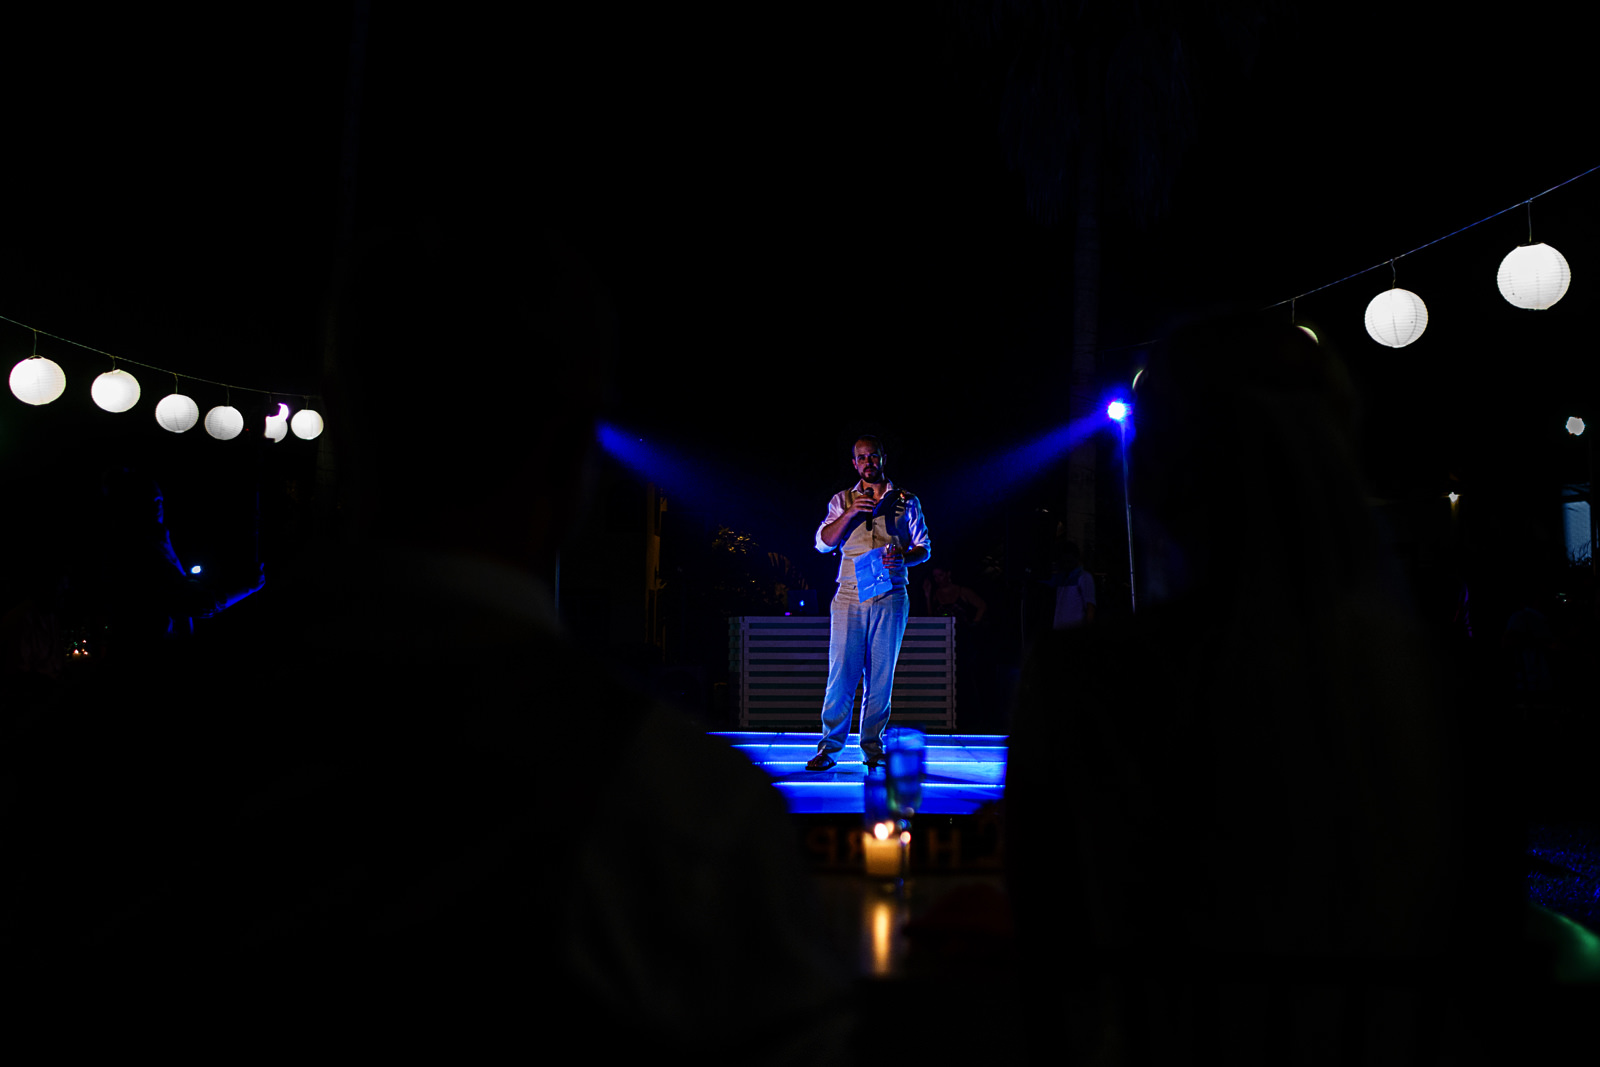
(1575, 427)
(1119, 412)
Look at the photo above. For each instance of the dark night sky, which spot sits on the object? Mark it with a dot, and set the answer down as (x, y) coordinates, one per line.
(807, 221)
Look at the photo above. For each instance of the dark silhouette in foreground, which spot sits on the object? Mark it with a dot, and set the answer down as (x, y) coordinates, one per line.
(1243, 824)
(418, 819)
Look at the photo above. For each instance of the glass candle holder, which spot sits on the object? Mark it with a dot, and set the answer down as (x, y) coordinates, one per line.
(908, 760)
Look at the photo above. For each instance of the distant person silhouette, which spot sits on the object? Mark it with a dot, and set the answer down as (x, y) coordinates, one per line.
(943, 596)
(1255, 766)
(1074, 587)
(1526, 643)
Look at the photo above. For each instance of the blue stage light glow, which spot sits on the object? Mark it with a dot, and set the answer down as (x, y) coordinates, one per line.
(1117, 409)
(195, 569)
(696, 480)
(990, 479)
(672, 472)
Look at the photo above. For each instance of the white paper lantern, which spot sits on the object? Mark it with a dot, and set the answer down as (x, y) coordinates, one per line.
(1396, 317)
(37, 380)
(115, 390)
(278, 425)
(177, 413)
(306, 424)
(1534, 276)
(224, 423)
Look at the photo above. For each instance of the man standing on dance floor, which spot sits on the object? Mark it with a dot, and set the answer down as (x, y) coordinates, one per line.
(881, 531)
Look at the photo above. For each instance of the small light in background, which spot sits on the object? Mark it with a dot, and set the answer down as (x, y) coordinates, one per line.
(1117, 410)
(1575, 426)
(1454, 497)
(195, 569)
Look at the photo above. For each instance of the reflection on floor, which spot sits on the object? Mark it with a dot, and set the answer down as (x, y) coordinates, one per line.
(964, 771)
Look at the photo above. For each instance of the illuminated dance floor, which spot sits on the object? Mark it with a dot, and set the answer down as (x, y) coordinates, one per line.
(964, 771)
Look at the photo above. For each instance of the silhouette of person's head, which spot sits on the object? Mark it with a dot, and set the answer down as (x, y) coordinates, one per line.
(1244, 462)
(1296, 696)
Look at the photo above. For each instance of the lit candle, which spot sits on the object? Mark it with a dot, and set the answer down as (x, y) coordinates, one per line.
(883, 849)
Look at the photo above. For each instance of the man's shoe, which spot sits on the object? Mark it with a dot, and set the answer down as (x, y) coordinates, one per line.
(873, 757)
(820, 762)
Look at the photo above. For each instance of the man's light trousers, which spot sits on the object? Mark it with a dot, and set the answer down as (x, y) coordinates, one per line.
(863, 643)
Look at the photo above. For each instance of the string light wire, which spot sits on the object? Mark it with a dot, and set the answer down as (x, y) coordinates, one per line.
(1528, 203)
(1291, 301)
(1447, 236)
(147, 366)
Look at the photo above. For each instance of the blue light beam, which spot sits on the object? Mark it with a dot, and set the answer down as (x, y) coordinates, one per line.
(1003, 475)
(701, 484)
(653, 463)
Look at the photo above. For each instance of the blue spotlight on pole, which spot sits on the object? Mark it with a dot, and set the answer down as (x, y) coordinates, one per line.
(1118, 411)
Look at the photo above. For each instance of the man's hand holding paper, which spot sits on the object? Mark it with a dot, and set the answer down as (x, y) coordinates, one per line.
(872, 573)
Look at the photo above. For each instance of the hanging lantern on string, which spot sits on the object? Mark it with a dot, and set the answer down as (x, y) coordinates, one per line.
(115, 391)
(306, 424)
(1534, 276)
(177, 413)
(278, 425)
(1396, 317)
(224, 423)
(37, 381)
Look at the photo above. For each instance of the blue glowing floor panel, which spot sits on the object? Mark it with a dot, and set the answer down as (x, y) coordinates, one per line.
(964, 771)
